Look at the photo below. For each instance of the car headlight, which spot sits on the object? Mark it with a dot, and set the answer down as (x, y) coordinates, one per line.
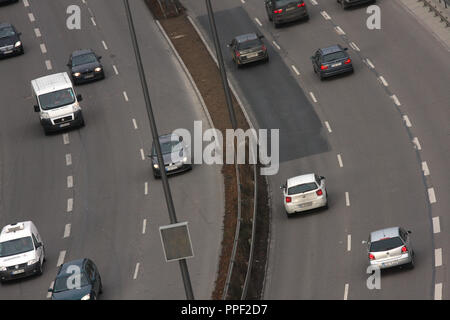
(77, 74)
(87, 297)
(76, 107)
(18, 44)
(185, 159)
(98, 69)
(45, 115)
(32, 261)
(156, 166)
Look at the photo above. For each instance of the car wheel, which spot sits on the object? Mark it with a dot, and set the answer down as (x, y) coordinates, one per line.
(321, 77)
(288, 215)
(344, 6)
(155, 175)
(46, 132)
(266, 59)
(39, 272)
(307, 18)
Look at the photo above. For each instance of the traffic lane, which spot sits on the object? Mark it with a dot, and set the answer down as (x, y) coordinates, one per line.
(308, 251)
(289, 110)
(32, 169)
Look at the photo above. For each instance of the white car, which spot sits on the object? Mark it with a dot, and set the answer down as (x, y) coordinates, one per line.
(303, 193)
(21, 251)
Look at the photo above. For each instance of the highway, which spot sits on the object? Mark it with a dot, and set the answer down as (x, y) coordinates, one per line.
(89, 191)
(380, 136)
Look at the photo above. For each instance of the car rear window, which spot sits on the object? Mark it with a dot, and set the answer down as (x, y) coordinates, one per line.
(334, 56)
(282, 3)
(249, 44)
(386, 244)
(301, 188)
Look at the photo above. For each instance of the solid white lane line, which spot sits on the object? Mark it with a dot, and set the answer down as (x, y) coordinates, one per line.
(31, 17)
(339, 30)
(370, 63)
(383, 81)
(48, 64)
(70, 182)
(346, 291)
(69, 205)
(68, 159)
(407, 122)
(90, 12)
(295, 70)
(25, 3)
(125, 96)
(43, 48)
(67, 230)
(438, 257)
(135, 124)
(258, 22)
(396, 101)
(349, 242)
(115, 70)
(136, 271)
(426, 171)
(417, 143)
(142, 154)
(61, 257)
(438, 291)
(325, 15)
(431, 195)
(354, 46)
(144, 226)
(436, 225)
(347, 199)
(146, 188)
(37, 32)
(93, 21)
(276, 45)
(49, 294)
(104, 45)
(66, 138)
(328, 126)
(313, 96)
(341, 164)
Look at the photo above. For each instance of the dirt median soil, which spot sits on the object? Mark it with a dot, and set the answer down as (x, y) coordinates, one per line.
(206, 75)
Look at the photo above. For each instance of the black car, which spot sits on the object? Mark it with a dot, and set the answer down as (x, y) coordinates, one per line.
(175, 155)
(10, 43)
(85, 66)
(7, 1)
(248, 48)
(331, 61)
(282, 11)
(77, 280)
(348, 3)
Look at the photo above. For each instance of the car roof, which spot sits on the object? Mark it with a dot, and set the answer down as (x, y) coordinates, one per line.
(51, 83)
(16, 231)
(79, 263)
(168, 137)
(384, 233)
(81, 52)
(305, 178)
(332, 49)
(5, 24)
(246, 37)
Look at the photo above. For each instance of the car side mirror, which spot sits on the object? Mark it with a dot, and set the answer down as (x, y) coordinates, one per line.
(50, 289)
(322, 178)
(19, 33)
(99, 57)
(38, 245)
(180, 138)
(283, 186)
(79, 97)
(409, 231)
(36, 108)
(345, 49)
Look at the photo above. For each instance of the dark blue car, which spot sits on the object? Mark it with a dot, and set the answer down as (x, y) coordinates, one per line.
(331, 61)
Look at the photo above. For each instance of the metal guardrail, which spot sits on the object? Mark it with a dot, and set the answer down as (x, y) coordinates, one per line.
(436, 11)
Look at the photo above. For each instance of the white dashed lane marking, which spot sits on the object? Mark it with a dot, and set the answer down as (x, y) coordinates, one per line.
(25, 3)
(61, 258)
(69, 205)
(142, 154)
(383, 81)
(349, 242)
(370, 63)
(339, 30)
(396, 101)
(438, 257)
(328, 127)
(66, 138)
(347, 199)
(325, 15)
(37, 32)
(276, 45)
(346, 291)
(354, 46)
(67, 230)
(68, 159)
(135, 124)
(115, 70)
(104, 45)
(31, 17)
(438, 291)
(258, 22)
(431, 195)
(125, 96)
(426, 171)
(313, 97)
(417, 143)
(93, 21)
(144, 226)
(48, 64)
(295, 70)
(407, 122)
(146, 188)
(70, 182)
(136, 271)
(436, 225)
(341, 164)
(43, 48)
(49, 294)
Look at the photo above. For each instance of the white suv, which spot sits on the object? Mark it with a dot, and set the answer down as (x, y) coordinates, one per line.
(21, 251)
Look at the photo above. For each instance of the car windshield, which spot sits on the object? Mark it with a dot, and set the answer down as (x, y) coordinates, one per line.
(6, 32)
(249, 44)
(282, 3)
(56, 99)
(168, 147)
(301, 188)
(83, 59)
(16, 246)
(386, 244)
(334, 56)
(70, 282)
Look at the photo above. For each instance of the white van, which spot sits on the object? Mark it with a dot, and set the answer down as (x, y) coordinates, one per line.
(22, 251)
(57, 104)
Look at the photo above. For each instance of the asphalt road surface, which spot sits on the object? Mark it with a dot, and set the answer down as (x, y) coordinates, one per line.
(380, 136)
(113, 211)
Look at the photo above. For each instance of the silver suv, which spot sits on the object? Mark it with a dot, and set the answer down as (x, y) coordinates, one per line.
(390, 247)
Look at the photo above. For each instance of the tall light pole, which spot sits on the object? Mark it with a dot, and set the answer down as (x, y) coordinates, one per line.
(165, 182)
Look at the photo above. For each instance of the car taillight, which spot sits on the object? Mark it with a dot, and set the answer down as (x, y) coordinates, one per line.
(301, 5)
(278, 11)
(371, 256)
(348, 61)
(238, 54)
(322, 67)
(288, 199)
(319, 192)
(404, 249)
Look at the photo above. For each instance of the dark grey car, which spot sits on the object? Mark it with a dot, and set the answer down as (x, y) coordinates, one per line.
(175, 154)
(348, 3)
(248, 48)
(282, 11)
(10, 43)
(85, 66)
(331, 61)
